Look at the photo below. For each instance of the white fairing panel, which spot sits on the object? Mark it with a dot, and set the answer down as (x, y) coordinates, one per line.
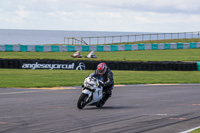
(93, 84)
(87, 92)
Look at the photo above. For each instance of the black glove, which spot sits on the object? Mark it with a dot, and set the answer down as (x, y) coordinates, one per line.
(102, 83)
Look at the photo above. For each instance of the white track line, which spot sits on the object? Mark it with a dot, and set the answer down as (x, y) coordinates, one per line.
(78, 87)
(188, 131)
(156, 85)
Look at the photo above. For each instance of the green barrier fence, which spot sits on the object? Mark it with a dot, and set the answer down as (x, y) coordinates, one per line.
(128, 47)
(8, 47)
(198, 66)
(100, 49)
(55, 48)
(154, 46)
(23, 48)
(114, 48)
(141, 46)
(39, 48)
(70, 48)
(179, 45)
(193, 45)
(167, 46)
(85, 48)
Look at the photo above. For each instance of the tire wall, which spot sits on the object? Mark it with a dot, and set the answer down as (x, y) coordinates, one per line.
(91, 65)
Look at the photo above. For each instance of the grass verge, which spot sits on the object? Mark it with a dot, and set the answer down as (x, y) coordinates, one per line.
(21, 78)
(196, 131)
(144, 55)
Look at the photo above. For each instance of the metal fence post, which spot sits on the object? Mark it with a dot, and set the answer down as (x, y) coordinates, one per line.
(171, 36)
(135, 38)
(185, 36)
(128, 39)
(164, 36)
(142, 37)
(157, 37)
(150, 37)
(178, 35)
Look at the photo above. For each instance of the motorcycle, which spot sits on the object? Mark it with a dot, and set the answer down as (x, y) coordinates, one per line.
(92, 92)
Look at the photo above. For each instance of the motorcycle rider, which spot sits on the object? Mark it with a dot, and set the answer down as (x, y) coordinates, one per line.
(108, 82)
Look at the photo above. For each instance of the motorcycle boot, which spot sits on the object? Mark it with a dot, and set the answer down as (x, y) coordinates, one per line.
(106, 94)
(100, 104)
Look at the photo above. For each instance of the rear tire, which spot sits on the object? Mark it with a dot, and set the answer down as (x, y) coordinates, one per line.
(82, 101)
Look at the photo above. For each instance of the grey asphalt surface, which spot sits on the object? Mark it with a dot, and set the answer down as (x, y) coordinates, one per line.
(131, 109)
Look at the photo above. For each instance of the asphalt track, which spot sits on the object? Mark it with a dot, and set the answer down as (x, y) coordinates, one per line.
(134, 109)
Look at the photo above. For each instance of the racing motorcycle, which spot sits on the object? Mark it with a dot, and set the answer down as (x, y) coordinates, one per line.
(92, 92)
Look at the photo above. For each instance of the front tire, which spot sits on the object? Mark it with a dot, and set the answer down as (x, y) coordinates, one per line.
(82, 101)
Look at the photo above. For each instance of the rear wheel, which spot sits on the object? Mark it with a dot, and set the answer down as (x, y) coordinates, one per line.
(82, 101)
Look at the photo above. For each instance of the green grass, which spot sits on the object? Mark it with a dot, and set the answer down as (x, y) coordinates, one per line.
(142, 55)
(50, 78)
(40, 78)
(23, 78)
(196, 131)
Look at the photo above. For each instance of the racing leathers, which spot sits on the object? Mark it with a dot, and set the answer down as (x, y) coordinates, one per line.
(108, 85)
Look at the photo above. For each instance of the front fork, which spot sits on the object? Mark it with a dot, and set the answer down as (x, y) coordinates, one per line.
(89, 93)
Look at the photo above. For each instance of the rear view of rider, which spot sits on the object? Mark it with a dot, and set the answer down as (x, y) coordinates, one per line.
(108, 81)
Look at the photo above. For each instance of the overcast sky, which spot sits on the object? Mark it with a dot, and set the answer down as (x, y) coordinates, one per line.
(101, 15)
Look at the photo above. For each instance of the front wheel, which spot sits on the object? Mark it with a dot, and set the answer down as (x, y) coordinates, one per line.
(82, 101)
